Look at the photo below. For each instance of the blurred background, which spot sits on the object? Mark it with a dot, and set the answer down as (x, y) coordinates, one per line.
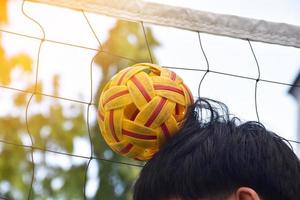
(64, 57)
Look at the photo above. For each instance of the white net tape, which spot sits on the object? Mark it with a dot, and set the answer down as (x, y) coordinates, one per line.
(185, 18)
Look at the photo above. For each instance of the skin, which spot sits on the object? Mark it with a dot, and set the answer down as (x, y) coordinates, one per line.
(242, 193)
(245, 193)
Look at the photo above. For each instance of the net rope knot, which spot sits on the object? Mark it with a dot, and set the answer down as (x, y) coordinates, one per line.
(140, 108)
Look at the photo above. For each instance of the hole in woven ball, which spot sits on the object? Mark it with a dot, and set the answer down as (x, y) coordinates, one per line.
(131, 112)
(152, 72)
(147, 71)
(179, 112)
(150, 151)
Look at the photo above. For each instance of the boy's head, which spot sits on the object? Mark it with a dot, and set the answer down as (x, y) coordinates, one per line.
(217, 158)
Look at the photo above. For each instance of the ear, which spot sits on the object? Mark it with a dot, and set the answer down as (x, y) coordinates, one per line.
(246, 193)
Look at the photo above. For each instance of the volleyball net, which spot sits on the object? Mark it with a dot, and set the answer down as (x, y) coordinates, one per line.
(55, 57)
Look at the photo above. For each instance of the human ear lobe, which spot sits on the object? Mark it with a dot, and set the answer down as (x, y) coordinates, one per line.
(246, 193)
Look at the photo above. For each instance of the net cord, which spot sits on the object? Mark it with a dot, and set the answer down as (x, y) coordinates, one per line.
(42, 40)
(189, 19)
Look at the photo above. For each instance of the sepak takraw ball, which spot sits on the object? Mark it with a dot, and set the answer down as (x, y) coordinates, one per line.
(140, 108)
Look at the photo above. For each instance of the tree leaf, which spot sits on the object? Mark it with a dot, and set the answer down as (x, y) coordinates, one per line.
(22, 60)
(3, 11)
(20, 99)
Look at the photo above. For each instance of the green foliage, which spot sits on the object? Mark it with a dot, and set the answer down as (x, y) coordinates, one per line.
(53, 127)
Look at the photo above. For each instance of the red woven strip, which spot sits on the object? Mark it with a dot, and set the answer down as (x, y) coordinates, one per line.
(169, 88)
(190, 95)
(122, 77)
(165, 131)
(141, 88)
(173, 76)
(111, 125)
(133, 116)
(177, 109)
(156, 112)
(139, 136)
(116, 95)
(127, 148)
(100, 115)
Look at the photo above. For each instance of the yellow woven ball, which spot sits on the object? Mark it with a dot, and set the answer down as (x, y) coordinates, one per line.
(140, 108)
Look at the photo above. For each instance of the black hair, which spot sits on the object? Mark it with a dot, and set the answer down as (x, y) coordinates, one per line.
(213, 154)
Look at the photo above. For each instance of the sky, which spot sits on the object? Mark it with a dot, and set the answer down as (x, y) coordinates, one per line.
(179, 48)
